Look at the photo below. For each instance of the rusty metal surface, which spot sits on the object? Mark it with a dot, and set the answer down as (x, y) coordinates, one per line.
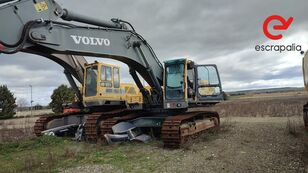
(92, 126)
(176, 130)
(106, 126)
(40, 124)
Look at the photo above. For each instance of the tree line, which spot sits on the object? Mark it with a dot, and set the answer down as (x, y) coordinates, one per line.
(62, 94)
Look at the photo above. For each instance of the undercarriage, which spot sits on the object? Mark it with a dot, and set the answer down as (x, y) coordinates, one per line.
(173, 130)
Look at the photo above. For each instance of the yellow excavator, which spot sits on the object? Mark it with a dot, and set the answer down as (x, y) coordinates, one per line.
(100, 91)
(171, 107)
(102, 87)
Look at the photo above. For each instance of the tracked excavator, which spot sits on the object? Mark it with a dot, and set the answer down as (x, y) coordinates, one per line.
(102, 89)
(102, 86)
(178, 90)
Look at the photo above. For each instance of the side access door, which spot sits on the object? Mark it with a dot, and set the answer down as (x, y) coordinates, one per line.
(208, 88)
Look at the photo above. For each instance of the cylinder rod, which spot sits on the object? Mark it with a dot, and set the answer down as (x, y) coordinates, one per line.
(71, 16)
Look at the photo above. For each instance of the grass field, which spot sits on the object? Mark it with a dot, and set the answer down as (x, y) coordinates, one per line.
(264, 105)
(258, 134)
(51, 154)
(33, 113)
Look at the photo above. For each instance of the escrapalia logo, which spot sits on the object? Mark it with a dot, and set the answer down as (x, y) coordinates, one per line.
(283, 25)
(90, 40)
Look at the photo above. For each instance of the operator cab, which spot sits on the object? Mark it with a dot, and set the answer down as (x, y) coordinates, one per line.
(102, 87)
(102, 84)
(188, 85)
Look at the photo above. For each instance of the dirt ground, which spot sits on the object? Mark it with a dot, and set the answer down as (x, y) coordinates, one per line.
(256, 135)
(252, 145)
(242, 145)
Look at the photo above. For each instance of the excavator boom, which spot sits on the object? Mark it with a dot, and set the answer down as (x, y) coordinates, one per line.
(42, 27)
(36, 28)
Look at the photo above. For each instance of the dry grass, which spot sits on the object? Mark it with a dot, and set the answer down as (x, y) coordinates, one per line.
(292, 127)
(21, 131)
(31, 162)
(236, 147)
(215, 149)
(269, 107)
(295, 127)
(226, 125)
(33, 113)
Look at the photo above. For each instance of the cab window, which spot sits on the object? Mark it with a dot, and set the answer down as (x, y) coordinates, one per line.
(91, 81)
(175, 81)
(116, 77)
(106, 76)
(103, 73)
(208, 81)
(108, 73)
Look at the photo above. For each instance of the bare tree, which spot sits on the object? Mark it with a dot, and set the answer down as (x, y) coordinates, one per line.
(22, 102)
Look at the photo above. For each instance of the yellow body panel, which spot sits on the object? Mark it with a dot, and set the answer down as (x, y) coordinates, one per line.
(108, 87)
(132, 94)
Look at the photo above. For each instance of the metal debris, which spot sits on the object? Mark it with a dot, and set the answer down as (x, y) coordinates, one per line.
(125, 131)
(79, 135)
(62, 130)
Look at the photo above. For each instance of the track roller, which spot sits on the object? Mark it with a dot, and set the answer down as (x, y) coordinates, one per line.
(176, 130)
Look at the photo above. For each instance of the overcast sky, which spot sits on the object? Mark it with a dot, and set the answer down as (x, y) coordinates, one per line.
(221, 32)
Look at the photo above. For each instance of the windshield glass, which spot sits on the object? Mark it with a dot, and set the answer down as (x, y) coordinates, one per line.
(175, 81)
(91, 81)
(116, 77)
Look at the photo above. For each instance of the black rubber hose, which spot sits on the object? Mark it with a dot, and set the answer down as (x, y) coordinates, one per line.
(24, 30)
(19, 44)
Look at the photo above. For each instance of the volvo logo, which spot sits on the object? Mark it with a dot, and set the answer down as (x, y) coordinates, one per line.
(91, 40)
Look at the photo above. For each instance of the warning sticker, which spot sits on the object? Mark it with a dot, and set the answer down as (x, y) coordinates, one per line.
(41, 6)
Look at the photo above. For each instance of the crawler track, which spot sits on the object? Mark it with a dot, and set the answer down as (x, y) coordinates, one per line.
(106, 126)
(40, 124)
(92, 125)
(176, 130)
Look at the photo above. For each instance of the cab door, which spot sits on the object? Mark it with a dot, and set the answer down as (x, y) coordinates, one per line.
(175, 84)
(90, 85)
(208, 85)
